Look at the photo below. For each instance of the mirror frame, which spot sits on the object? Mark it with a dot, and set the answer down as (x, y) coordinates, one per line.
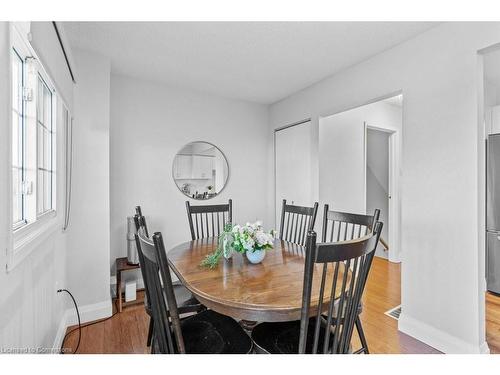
(225, 183)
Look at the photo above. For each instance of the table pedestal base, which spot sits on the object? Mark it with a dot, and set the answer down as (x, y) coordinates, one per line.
(248, 325)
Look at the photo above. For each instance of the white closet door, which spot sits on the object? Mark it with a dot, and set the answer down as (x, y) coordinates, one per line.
(342, 163)
(293, 167)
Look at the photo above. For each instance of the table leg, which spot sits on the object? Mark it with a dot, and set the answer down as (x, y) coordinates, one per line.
(247, 325)
(119, 290)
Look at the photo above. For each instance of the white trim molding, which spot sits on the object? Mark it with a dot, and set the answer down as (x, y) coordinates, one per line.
(88, 313)
(30, 238)
(61, 330)
(438, 339)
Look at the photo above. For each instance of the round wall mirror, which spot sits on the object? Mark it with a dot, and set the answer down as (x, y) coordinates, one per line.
(200, 170)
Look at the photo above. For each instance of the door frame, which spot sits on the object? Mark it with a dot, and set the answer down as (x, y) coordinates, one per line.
(394, 252)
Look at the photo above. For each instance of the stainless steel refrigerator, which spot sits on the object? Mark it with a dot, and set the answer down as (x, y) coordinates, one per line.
(493, 214)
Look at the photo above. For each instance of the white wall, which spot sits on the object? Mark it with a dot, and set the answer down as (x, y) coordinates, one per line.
(442, 215)
(31, 312)
(292, 168)
(490, 100)
(150, 123)
(342, 162)
(490, 93)
(335, 162)
(89, 239)
(377, 156)
(341, 157)
(492, 77)
(47, 46)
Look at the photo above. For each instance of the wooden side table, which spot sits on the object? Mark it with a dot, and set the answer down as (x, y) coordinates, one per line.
(121, 266)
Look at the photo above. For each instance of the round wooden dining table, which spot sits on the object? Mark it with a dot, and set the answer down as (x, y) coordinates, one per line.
(270, 291)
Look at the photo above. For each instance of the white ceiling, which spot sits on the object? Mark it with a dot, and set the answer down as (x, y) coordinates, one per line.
(256, 61)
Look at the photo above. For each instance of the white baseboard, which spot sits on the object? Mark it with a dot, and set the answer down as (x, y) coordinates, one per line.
(394, 257)
(438, 339)
(61, 330)
(88, 313)
(484, 348)
(91, 312)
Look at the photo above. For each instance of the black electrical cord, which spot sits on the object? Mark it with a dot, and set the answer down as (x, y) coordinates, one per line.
(86, 325)
(79, 323)
(80, 326)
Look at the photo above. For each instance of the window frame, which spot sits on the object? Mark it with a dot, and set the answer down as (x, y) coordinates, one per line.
(21, 139)
(52, 132)
(28, 234)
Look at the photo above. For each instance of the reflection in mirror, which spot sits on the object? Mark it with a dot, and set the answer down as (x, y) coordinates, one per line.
(200, 170)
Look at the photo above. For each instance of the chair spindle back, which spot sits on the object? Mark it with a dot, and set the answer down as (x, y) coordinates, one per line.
(159, 282)
(296, 221)
(350, 262)
(343, 226)
(208, 220)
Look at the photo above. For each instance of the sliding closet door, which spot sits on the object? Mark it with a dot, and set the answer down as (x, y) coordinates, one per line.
(342, 163)
(293, 166)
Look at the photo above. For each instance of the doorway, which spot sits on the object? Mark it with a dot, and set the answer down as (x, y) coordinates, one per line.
(359, 153)
(378, 194)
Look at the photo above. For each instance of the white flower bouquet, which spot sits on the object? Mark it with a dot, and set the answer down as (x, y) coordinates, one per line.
(249, 238)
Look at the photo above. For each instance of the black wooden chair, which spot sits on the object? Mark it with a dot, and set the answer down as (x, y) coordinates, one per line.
(316, 332)
(205, 332)
(208, 220)
(187, 302)
(343, 226)
(296, 221)
(140, 224)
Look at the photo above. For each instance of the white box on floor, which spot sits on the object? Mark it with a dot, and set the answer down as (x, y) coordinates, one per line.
(130, 291)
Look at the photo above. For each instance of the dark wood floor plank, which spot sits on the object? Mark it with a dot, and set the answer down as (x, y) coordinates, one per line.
(142, 320)
(131, 329)
(92, 339)
(493, 322)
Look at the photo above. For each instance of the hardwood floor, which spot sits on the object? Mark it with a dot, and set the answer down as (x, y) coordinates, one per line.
(493, 322)
(383, 292)
(126, 332)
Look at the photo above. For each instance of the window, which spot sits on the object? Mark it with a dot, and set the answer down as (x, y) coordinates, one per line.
(18, 217)
(44, 144)
(33, 138)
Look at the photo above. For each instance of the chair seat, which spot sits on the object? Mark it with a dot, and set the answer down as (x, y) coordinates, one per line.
(209, 332)
(336, 308)
(186, 302)
(283, 337)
